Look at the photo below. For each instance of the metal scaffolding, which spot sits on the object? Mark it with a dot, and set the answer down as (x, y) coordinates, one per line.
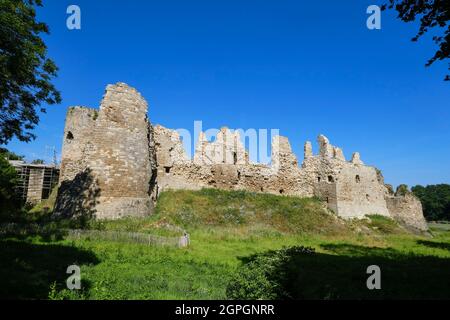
(36, 181)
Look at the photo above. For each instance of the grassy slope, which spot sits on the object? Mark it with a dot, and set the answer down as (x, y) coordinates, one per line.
(227, 228)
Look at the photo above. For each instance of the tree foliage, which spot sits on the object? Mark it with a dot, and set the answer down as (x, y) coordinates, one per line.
(38, 161)
(9, 202)
(402, 190)
(433, 15)
(435, 200)
(268, 275)
(9, 155)
(25, 70)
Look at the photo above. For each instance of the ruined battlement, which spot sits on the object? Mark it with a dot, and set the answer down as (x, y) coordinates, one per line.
(115, 164)
(226, 149)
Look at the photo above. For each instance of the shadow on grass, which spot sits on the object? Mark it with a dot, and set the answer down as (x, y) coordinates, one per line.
(436, 245)
(45, 233)
(342, 274)
(28, 270)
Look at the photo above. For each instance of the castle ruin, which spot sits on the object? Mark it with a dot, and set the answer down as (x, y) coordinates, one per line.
(115, 163)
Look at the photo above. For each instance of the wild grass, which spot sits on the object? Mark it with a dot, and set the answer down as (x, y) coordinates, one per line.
(218, 208)
(227, 230)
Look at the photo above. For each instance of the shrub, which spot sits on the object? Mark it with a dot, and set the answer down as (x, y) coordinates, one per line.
(383, 224)
(267, 276)
(402, 190)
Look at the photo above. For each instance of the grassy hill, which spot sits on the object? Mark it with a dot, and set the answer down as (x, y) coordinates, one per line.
(243, 213)
(237, 241)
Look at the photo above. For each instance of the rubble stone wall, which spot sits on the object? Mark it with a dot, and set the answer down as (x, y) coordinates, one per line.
(111, 148)
(407, 209)
(126, 162)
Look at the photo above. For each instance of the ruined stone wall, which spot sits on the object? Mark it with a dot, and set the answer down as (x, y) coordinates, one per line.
(226, 149)
(359, 193)
(106, 161)
(407, 209)
(225, 164)
(351, 189)
(78, 141)
(174, 169)
(119, 163)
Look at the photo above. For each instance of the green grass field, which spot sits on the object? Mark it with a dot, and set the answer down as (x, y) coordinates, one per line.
(229, 230)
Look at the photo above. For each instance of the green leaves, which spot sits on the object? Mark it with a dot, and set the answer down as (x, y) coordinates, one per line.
(266, 276)
(433, 14)
(9, 202)
(25, 70)
(435, 201)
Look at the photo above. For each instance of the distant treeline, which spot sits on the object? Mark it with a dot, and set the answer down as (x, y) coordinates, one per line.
(435, 200)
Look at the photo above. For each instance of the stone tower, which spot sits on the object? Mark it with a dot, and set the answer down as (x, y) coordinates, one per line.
(107, 166)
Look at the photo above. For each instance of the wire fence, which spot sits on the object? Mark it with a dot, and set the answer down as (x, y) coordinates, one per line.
(118, 236)
(132, 237)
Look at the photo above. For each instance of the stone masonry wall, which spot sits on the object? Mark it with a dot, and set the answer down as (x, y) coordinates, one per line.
(225, 165)
(106, 158)
(407, 209)
(350, 188)
(119, 162)
(77, 143)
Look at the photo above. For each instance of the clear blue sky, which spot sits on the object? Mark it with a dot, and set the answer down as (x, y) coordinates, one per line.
(304, 67)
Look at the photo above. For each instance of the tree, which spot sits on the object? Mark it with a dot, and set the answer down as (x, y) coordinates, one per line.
(402, 190)
(25, 70)
(38, 161)
(8, 155)
(435, 200)
(434, 17)
(9, 202)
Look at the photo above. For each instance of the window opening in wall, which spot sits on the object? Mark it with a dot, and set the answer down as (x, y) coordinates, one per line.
(167, 169)
(358, 179)
(330, 179)
(69, 135)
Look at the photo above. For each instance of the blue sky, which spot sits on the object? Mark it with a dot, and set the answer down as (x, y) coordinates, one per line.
(304, 67)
